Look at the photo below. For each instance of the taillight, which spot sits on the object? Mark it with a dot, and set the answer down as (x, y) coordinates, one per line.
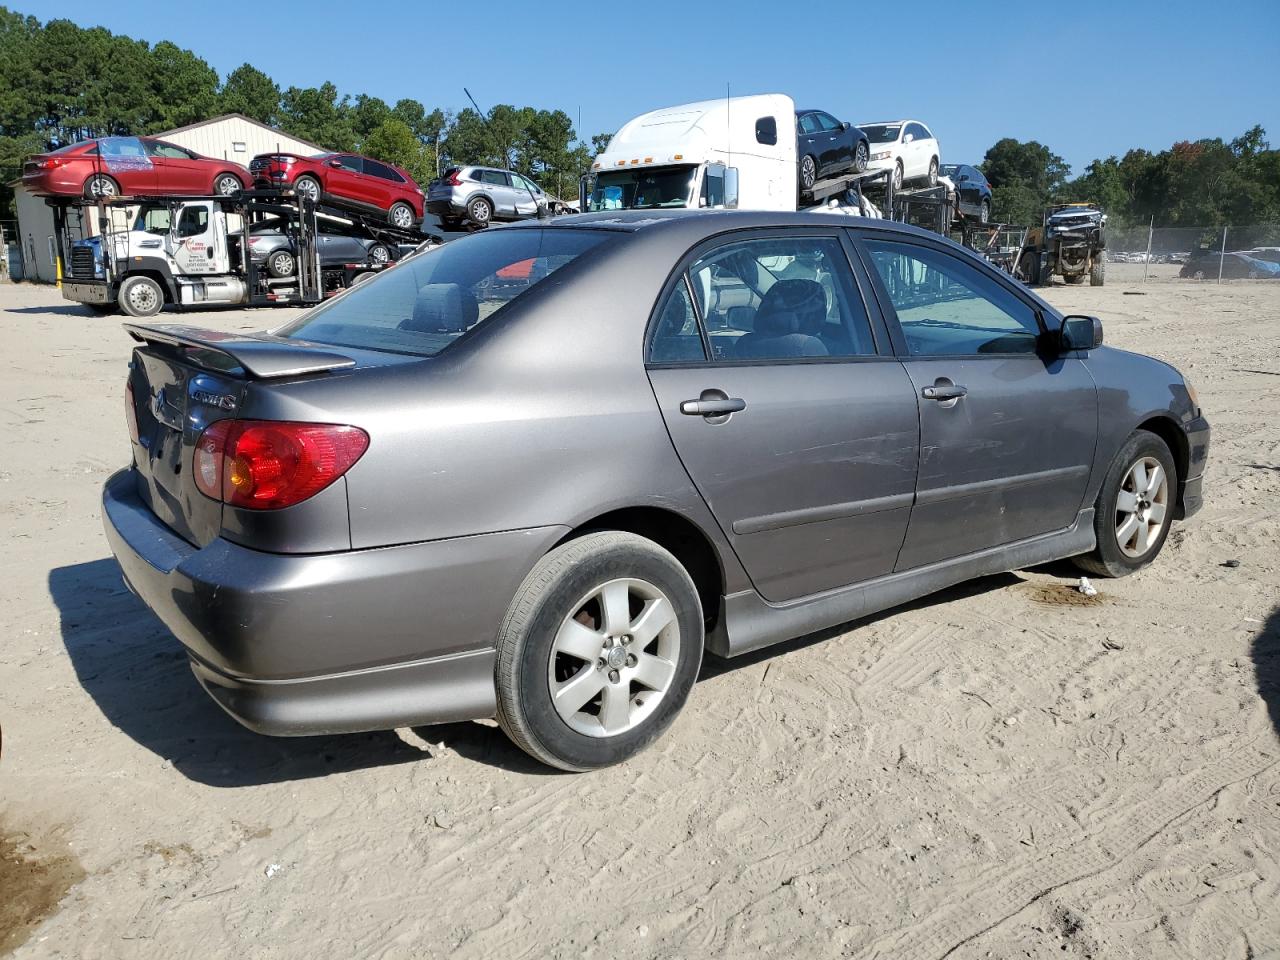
(130, 412)
(268, 464)
(455, 179)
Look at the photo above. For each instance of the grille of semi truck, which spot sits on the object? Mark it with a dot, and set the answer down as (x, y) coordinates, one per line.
(82, 266)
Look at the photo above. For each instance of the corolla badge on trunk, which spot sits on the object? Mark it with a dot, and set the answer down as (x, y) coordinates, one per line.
(206, 390)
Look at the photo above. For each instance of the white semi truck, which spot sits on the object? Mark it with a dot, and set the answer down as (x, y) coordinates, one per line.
(738, 152)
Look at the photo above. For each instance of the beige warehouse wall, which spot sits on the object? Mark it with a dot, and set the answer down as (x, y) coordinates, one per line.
(236, 139)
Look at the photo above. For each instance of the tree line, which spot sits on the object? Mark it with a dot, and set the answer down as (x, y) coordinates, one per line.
(1201, 183)
(60, 83)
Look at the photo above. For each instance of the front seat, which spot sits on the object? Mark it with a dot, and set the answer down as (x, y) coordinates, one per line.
(443, 308)
(787, 323)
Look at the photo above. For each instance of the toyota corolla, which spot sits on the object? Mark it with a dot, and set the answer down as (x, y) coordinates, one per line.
(536, 473)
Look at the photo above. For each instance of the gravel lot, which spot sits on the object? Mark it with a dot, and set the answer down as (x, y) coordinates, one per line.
(1009, 769)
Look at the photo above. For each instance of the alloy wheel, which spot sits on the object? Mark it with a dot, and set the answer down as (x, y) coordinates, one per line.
(614, 658)
(808, 172)
(1142, 507)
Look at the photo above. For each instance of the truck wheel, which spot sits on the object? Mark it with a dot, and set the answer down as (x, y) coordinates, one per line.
(1097, 273)
(1134, 508)
(308, 187)
(227, 185)
(480, 210)
(401, 216)
(100, 185)
(1029, 268)
(808, 173)
(280, 264)
(598, 651)
(141, 297)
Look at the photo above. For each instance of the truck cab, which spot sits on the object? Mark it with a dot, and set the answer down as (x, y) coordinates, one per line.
(715, 154)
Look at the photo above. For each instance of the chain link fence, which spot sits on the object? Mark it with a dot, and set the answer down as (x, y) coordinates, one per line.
(1213, 253)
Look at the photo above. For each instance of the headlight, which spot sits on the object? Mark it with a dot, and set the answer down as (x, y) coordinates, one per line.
(881, 156)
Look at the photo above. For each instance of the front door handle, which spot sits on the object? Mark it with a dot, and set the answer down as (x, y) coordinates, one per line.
(713, 403)
(943, 392)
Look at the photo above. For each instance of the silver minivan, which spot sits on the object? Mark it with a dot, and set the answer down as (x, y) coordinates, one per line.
(481, 195)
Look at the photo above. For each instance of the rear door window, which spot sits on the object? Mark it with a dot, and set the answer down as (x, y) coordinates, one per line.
(423, 304)
(494, 177)
(381, 170)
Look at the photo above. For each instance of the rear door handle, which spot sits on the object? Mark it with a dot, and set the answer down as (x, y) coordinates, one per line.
(944, 392)
(713, 407)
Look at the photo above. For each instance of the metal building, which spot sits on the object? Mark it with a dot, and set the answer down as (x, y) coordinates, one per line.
(231, 136)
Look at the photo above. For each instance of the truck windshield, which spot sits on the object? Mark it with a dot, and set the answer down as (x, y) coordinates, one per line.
(152, 220)
(425, 302)
(882, 132)
(644, 189)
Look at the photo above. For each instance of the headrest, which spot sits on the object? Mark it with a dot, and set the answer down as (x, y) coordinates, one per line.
(792, 306)
(443, 308)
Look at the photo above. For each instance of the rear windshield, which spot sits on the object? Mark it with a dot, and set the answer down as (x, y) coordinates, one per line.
(426, 302)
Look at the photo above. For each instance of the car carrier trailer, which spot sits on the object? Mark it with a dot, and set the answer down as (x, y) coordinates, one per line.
(194, 251)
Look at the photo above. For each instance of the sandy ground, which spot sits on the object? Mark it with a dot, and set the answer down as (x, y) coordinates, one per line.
(1004, 770)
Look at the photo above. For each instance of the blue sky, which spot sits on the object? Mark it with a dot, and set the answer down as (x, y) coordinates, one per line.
(1098, 80)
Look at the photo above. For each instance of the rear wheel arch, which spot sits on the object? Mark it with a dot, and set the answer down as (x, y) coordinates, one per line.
(676, 534)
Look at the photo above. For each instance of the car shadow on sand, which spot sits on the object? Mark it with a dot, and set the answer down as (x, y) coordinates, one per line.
(62, 309)
(1266, 666)
(137, 674)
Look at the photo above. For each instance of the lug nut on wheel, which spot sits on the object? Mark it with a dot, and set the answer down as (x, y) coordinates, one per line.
(613, 676)
(631, 660)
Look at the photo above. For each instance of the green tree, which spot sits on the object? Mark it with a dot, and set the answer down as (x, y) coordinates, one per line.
(249, 91)
(318, 114)
(184, 88)
(393, 142)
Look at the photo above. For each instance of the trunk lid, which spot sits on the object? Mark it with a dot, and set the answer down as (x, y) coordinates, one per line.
(185, 378)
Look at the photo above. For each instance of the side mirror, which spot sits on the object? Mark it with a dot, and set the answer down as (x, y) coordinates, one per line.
(731, 188)
(846, 126)
(335, 163)
(1080, 333)
(908, 138)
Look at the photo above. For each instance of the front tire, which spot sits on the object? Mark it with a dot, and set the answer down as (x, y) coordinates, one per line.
(308, 187)
(401, 216)
(141, 297)
(984, 212)
(227, 185)
(1098, 273)
(598, 652)
(379, 253)
(1134, 509)
(898, 175)
(861, 157)
(808, 173)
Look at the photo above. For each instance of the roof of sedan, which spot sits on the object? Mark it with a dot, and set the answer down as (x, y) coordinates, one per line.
(713, 221)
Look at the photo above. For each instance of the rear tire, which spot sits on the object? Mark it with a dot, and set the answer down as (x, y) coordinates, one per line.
(309, 187)
(1029, 268)
(281, 264)
(984, 212)
(897, 175)
(612, 620)
(379, 253)
(100, 185)
(1098, 273)
(480, 211)
(1119, 552)
(141, 297)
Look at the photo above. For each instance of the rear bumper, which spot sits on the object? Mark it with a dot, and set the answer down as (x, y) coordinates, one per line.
(292, 645)
(445, 208)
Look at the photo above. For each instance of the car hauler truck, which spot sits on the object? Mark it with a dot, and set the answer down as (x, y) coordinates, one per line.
(194, 251)
(739, 152)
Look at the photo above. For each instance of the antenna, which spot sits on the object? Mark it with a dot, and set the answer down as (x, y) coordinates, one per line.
(484, 118)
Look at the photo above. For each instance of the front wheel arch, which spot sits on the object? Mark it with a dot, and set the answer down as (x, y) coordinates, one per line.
(1175, 438)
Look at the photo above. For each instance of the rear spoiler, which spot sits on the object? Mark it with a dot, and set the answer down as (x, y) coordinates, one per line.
(262, 356)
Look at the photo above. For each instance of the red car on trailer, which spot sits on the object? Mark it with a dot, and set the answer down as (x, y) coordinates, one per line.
(345, 179)
(130, 166)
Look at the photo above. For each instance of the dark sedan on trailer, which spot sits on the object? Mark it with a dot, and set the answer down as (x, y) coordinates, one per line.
(826, 147)
(973, 192)
(536, 472)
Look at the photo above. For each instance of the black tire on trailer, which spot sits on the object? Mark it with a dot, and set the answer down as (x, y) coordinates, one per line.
(227, 185)
(280, 263)
(984, 212)
(100, 185)
(362, 276)
(808, 173)
(480, 211)
(1029, 267)
(932, 176)
(401, 216)
(861, 157)
(379, 253)
(1134, 509)
(309, 187)
(598, 651)
(897, 175)
(141, 297)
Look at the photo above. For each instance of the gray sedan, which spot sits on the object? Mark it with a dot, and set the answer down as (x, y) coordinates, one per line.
(537, 472)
